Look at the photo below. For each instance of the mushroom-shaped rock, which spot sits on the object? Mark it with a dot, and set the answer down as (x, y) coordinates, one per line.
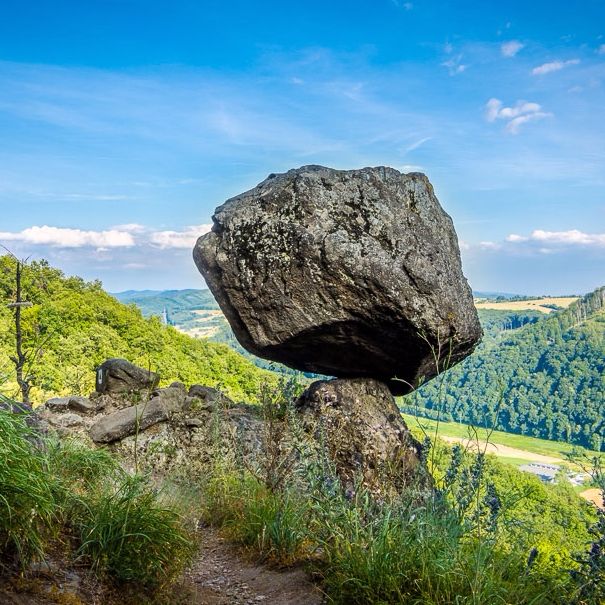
(348, 273)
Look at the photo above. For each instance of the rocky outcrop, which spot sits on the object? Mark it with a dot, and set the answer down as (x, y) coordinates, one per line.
(344, 273)
(172, 429)
(121, 376)
(128, 421)
(359, 424)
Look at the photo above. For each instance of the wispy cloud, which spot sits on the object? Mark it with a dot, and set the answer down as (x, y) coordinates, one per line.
(418, 143)
(517, 115)
(547, 68)
(601, 49)
(455, 65)
(511, 48)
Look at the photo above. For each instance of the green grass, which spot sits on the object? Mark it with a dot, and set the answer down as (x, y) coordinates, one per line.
(556, 449)
(62, 492)
(132, 537)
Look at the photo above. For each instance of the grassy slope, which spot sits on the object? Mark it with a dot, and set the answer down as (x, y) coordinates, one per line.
(544, 447)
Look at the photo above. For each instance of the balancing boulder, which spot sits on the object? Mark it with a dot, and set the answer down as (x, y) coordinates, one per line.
(347, 273)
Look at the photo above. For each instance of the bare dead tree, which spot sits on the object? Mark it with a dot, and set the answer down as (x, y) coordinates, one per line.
(21, 357)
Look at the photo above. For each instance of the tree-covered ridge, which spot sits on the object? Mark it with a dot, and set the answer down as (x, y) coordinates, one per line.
(74, 325)
(545, 378)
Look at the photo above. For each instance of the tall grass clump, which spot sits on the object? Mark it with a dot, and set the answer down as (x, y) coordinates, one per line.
(63, 492)
(128, 534)
(28, 510)
(273, 523)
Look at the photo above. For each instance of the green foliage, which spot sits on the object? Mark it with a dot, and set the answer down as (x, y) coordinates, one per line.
(487, 533)
(541, 378)
(62, 490)
(74, 326)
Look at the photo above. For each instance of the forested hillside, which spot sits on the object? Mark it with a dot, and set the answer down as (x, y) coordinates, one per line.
(545, 378)
(73, 326)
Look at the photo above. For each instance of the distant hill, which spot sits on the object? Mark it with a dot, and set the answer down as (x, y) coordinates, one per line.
(194, 312)
(75, 325)
(534, 374)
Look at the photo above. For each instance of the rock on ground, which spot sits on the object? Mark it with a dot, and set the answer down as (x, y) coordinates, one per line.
(344, 273)
(120, 376)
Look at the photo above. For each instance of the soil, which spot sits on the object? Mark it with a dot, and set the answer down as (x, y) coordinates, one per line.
(222, 576)
(219, 575)
(595, 496)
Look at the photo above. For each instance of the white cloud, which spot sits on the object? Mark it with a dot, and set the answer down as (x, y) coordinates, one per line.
(547, 68)
(411, 168)
(455, 65)
(572, 237)
(130, 228)
(513, 237)
(179, 239)
(601, 49)
(511, 48)
(120, 236)
(515, 116)
(59, 237)
(514, 125)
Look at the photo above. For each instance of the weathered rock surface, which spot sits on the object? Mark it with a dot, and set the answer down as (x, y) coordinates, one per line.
(209, 398)
(346, 273)
(125, 422)
(359, 423)
(81, 404)
(121, 376)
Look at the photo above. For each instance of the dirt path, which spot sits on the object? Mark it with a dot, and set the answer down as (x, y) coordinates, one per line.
(503, 450)
(221, 576)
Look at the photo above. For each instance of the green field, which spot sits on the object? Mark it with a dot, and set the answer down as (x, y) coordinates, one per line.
(556, 449)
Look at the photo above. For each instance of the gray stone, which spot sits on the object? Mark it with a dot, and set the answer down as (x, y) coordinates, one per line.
(194, 422)
(344, 273)
(209, 397)
(57, 404)
(128, 421)
(81, 404)
(359, 423)
(120, 376)
(66, 420)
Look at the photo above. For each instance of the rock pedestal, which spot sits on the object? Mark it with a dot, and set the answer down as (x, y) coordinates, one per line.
(359, 425)
(347, 273)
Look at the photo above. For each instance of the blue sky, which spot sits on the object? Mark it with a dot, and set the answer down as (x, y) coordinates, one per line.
(124, 123)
